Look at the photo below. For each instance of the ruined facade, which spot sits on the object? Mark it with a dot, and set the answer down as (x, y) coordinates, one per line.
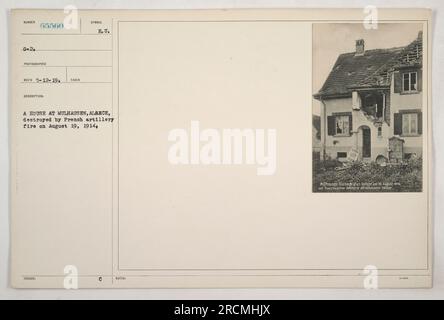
(371, 105)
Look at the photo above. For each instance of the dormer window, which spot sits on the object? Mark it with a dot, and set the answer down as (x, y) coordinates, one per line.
(410, 82)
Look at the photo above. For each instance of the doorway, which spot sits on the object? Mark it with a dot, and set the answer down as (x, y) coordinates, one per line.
(366, 142)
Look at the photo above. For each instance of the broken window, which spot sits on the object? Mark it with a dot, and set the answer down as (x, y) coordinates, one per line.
(342, 125)
(409, 81)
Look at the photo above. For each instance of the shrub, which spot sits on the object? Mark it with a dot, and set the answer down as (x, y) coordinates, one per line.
(404, 177)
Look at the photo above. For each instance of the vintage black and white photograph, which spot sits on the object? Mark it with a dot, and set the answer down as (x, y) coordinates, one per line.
(367, 107)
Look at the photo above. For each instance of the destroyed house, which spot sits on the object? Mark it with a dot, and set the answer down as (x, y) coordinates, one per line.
(371, 105)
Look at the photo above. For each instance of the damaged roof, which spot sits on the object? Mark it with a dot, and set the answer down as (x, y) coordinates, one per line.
(371, 69)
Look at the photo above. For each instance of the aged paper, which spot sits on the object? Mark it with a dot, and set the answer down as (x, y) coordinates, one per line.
(220, 148)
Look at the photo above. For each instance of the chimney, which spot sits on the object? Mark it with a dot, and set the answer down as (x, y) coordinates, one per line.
(420, 35)
(360, 47)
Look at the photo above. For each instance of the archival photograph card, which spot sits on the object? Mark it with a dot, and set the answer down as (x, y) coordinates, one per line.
(367, 114)
(220, 148)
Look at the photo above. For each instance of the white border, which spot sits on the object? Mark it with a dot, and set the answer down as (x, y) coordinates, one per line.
(438, 186)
